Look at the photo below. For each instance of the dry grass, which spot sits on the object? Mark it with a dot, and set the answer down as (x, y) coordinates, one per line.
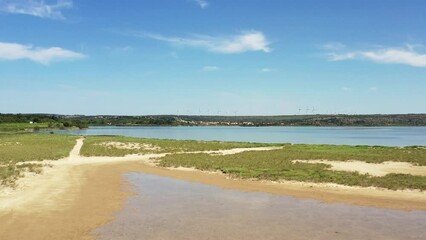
(16, 148)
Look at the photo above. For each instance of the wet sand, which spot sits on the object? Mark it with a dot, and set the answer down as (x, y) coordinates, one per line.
(94, 195)
(165, 208)
(96, 192)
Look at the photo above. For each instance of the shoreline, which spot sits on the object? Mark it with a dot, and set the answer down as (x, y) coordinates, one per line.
(406, 200)
(75, 212)
(71, 174)
(63, 201)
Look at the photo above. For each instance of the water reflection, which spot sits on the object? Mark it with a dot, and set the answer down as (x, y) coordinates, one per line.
(165, 208)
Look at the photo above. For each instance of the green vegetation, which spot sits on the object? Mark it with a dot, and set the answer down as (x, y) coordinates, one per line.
(274, 164)
(34, 147)
(95, 146)
(15, 122)
(316, 120)
(59, 121)
(370, 154)
(21, 126)
(277, 164)
(16, 148)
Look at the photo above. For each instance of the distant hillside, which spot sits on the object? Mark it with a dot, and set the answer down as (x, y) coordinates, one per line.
(54, 120)
(320, 120)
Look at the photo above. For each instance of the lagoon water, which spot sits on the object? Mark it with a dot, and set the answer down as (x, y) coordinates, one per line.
(165, 208)
(385, 136)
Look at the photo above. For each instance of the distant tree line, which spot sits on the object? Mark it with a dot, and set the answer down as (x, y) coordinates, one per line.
(53, 121)
(81, 121)
(320, 120)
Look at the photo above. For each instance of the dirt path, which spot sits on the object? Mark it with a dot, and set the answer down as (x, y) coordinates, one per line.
(57, 175)
(75, 152)
(236, 150)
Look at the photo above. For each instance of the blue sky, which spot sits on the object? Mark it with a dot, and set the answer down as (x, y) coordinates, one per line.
(211, 57)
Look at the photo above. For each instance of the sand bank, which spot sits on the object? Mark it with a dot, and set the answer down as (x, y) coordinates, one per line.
(374, 169)
(77, 194)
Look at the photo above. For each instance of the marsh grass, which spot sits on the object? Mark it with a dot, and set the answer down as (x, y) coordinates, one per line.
(21, 126)
(371, 154)
(277, 165)
(269, 165)
(34, 146)
(92, 146)
(15, 148)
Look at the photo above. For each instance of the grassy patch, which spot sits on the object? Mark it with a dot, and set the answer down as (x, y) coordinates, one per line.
(31, 147)
(21, 126)
(370, 154)
(277, 165)
(16, 148)
(270, 165)
(92, 146)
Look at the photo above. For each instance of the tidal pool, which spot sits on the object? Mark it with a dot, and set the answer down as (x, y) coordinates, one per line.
(166, 208)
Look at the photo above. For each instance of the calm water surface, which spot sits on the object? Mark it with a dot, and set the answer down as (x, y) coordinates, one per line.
(165, 208)
(386, 136)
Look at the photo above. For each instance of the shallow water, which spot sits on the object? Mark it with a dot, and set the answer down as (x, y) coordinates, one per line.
(385, 136)
(165, 208)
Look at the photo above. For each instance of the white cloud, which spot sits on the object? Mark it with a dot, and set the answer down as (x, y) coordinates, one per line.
(210, 68)
(37, 8)
(396, 56)
(266, 70)
(373, 89)
(386, 55)
(202, 3)
(346, 89)
(15, 51)
(341, 56)
(243, 42)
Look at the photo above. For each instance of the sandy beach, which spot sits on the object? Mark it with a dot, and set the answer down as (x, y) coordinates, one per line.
(75, 195)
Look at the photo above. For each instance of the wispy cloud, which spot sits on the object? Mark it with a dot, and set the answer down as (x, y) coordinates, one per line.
(210, 68)
(266, 70)
(247, 41)
(202, 3)
(37, 8)
(341, 56)
(407, 56)
(346, 89)
(15, 51)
